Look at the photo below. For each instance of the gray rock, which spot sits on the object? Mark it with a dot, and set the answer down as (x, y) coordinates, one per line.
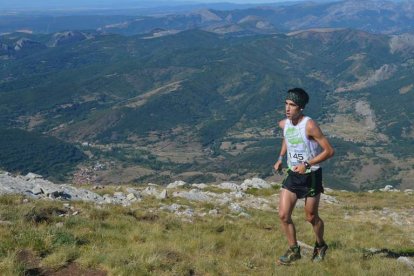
(187, 212)
(172, 208)
(229, 186)
(407, 261)
(31, 176)
(388, 188)
(213, 212)
(48, 190)
(150, 191)
(329, 199)
(176, 184)
(108, 200)
(131, 197)
(136, 193)
(256, 203)
(235, 208)
(238, 194)
(194, 195)
(163, 195)
(397, 219)
(409, 191)
(199, 186)
(223, 199)
(256, 183)
(37, 190)
(53, 195)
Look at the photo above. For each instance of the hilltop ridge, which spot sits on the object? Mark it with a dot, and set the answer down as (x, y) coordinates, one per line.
(372, 231)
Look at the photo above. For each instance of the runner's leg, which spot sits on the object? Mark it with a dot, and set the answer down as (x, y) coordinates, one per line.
(287, 202)
(312, 216)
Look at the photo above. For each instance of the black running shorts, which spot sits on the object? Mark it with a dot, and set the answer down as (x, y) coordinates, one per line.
(304, 185)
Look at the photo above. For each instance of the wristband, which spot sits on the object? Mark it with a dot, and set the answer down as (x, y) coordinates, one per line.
(280, 158)
(307, 165)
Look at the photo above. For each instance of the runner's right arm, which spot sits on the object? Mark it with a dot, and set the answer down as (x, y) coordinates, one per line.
(278, 164)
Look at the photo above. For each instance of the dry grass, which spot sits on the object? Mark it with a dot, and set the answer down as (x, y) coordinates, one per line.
(143, 240)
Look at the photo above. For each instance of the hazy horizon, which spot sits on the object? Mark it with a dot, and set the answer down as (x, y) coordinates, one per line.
(79, 4)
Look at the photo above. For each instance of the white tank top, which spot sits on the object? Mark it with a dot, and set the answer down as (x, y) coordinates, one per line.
(299, 147)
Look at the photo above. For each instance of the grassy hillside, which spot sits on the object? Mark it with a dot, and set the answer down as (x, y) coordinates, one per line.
(47, 237)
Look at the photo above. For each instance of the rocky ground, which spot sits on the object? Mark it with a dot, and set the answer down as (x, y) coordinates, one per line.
(237, 199)
(228, 194)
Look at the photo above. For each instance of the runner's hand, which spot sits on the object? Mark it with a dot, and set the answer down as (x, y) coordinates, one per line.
(299, 168)
(278, 166)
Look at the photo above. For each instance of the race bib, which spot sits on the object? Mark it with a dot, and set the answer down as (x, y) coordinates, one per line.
(297, 157)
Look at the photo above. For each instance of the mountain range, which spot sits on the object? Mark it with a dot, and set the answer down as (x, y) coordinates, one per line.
(200, 105)
(375, 16)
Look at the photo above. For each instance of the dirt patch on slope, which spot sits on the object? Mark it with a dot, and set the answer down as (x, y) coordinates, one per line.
(31, 264)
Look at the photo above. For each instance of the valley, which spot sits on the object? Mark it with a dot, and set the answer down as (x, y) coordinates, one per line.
(201, 105)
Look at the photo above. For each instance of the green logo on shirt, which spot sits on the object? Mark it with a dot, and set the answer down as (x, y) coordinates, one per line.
(293, 136)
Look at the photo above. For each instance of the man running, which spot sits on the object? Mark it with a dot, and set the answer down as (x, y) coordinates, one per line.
(306, 148)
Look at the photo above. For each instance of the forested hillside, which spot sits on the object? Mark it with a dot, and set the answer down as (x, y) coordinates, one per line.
(198, 105)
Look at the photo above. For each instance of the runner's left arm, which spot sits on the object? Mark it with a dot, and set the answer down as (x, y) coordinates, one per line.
(314, 131)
